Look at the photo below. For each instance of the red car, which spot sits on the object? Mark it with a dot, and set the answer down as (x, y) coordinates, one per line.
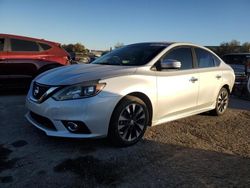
(25, 57)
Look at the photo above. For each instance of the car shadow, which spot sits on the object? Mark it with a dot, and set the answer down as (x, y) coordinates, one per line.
(94, 163)
(14, 86)
(234, 103)
(239, 103)
(5, 91)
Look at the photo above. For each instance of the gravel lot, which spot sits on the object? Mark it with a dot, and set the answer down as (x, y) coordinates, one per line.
(199, 151)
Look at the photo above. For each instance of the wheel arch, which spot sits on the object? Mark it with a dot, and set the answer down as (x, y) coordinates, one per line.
(227, 87)
(144, 98)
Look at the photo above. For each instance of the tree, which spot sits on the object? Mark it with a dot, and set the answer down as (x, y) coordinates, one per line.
(118, 45)
(229, 47)
(79, 47)
(245, 47)
(76, 48)
(233, 46)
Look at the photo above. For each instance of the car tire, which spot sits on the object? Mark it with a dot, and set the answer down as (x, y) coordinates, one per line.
(129, 122)
(222, 101)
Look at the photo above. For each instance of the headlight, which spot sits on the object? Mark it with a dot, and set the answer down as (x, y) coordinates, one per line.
(78, 92)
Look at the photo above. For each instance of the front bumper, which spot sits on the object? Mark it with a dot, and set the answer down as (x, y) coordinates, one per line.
(94, 112)
(241, 79)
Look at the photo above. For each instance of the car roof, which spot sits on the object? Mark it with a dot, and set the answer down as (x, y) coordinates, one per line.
(153, 43)
(166, 44)
(28, 38)
(174, 44)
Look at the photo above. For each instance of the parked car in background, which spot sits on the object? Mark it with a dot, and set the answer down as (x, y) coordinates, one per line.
(248, 85)
(240, 62)
(123, 92)
(23, 58)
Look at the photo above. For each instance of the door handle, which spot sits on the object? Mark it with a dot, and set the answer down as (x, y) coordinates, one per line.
(193, 79)
(218, 76)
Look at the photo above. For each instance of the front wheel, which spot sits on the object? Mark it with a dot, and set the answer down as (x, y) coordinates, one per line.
(129, 121)
(221, 102)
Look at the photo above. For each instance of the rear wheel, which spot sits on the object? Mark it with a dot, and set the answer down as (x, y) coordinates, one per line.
(221, 102)
(129, 121)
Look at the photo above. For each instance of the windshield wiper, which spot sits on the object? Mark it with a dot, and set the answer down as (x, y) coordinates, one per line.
(105, 63)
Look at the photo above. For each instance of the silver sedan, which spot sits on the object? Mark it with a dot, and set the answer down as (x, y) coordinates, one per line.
(123, 92)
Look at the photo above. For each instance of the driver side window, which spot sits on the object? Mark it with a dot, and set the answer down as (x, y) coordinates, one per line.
(184, 55)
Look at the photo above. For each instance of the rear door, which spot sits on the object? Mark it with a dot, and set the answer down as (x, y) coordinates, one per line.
(20, 52)
(23, 49)
(210, 77)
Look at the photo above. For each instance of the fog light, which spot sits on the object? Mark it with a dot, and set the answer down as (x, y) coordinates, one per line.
(76, 127)
(73, 127)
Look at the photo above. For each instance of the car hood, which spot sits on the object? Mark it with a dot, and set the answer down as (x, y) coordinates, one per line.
(74, 74)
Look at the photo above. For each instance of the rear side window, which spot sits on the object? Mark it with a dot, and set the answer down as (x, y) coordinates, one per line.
(184, 55)
(216, 61)
(204, 58)
(18, 45)
(1, 44)
(45, 46)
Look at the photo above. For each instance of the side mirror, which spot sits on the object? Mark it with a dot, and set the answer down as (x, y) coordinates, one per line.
(170, 64)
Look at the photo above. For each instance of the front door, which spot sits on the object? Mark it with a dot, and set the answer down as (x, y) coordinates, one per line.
(177, 89)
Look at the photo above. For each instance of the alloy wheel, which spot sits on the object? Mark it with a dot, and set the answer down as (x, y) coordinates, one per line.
(131, 122)
(222, 102)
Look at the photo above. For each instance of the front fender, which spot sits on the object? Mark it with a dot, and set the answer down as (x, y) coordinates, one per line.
(124, 85)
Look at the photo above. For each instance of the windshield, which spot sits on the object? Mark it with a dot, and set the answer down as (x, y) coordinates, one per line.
(131, 55)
